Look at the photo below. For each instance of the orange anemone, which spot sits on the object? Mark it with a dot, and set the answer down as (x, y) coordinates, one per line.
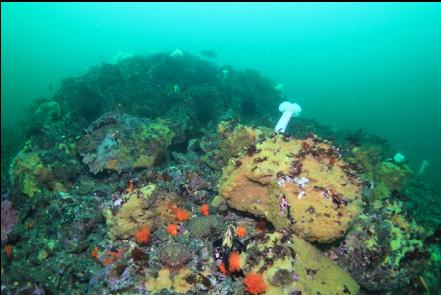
(222, 269)
(204, 210)
(142, 235)
(94, 253)
(172, 229)
(181, 214)
(111, 257)
(241, 231)
(254, 283)
(9, 251)
(234, 261)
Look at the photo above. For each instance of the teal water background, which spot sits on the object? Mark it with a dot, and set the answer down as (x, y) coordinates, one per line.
(375, 66)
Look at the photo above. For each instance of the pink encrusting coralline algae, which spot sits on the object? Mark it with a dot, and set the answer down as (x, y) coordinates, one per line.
(9, 219)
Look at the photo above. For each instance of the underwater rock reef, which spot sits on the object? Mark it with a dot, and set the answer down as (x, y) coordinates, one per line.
(162, 175)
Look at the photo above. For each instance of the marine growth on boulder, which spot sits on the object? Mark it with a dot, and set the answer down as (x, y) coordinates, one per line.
(298, 184)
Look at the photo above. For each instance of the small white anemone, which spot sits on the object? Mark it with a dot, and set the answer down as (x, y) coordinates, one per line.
(399, 158)
(288, 110)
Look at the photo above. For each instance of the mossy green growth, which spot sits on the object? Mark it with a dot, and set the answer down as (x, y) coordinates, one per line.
(385, 175)
(47, 249)
(368, 156)
(380, 192)
(29, 186)
(157, 130)
(371, 243)
(235, 138)
(131, 143)
(147, 190)
(401, 243)
(394, 177)
(435, 254)
(393, 208)
(27, 172)
(67, 148)
(395, 245)
(217, 201)
(397, 239)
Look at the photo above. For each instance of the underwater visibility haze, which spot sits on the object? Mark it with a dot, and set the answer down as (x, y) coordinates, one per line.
(218, 148)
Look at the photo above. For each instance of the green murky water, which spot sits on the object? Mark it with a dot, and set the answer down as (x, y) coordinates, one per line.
(371, 66)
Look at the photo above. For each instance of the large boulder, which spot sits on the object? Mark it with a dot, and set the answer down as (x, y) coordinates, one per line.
(146, 206)
(289, 265)
(35, 170)
(303, 185)
(385, 249)
(119, 142)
